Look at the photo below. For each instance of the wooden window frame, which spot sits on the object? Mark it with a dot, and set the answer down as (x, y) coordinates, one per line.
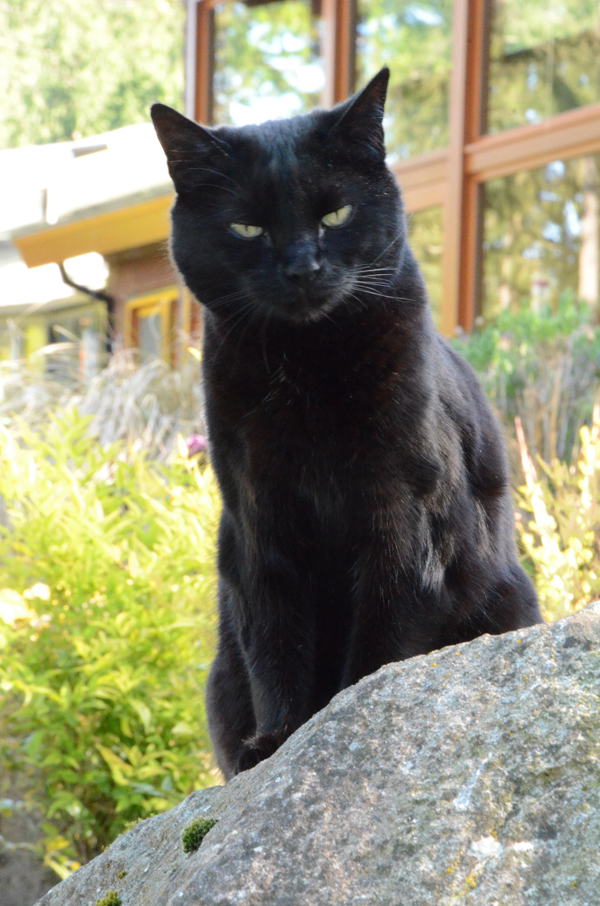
(160, 303)
(453, 177)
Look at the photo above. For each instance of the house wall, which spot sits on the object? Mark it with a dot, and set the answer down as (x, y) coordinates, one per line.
(134, 273)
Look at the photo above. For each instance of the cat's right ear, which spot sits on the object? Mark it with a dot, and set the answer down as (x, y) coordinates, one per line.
(188, 146)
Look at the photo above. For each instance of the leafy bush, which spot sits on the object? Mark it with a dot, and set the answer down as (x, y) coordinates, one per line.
(106, 561)
(542, 367)
(562, 539)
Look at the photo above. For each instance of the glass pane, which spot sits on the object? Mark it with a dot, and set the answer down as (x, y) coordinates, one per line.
(541, 236)
(149, 339)
(544, 59)
(415, 41)
(36, 337)
(77, 341)
(90, 353)
(425, 239)
(267, 62)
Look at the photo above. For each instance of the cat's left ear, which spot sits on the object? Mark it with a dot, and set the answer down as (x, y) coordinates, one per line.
(360, 119)
(186, 144)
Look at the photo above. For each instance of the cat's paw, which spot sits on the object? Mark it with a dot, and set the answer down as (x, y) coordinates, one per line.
(257, 749)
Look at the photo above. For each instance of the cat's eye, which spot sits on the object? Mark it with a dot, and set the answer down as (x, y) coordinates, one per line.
(337, 218)
(245, 230)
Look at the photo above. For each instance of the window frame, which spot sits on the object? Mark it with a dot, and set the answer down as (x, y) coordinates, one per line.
(163, 303)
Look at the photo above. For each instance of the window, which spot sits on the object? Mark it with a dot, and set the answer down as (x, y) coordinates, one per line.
(67, 342)
(541, 236)
(414, 40)
(425, 238)
(544, 60)
(484, 96)
(149, 322)
(267, 61)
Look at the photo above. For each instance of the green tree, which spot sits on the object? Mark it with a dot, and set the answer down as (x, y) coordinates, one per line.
(73, 68)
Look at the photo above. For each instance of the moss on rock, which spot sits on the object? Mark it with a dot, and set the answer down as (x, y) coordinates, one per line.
(194, 833)
(110, 898)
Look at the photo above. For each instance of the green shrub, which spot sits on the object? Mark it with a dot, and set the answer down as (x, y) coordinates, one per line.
(562, 537)
(542, 367)
(541, 372)
(106, 561)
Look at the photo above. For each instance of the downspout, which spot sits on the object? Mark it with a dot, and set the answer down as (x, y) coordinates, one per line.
(94, 294)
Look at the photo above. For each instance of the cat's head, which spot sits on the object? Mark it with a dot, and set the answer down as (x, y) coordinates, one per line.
(291, 218)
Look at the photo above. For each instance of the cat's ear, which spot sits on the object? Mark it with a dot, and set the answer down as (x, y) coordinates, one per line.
(359, 120)
(189, 148)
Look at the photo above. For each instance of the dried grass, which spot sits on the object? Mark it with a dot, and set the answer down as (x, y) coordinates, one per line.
(146, 405)
(553, 393)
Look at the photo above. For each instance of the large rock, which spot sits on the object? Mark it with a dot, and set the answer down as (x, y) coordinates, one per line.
(23, 876)
(470, 776)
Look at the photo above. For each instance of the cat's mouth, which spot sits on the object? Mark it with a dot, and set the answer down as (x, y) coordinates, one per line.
(305, 304)
(307, 309)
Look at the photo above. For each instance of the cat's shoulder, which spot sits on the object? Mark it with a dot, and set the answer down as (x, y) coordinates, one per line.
(461, 394)
(455, 374)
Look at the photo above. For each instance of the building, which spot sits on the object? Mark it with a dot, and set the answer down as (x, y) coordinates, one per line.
(103, 200)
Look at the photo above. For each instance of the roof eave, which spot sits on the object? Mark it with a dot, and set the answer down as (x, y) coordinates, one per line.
(108, 228)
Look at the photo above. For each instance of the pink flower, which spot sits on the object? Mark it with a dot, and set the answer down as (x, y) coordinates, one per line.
(196, 443)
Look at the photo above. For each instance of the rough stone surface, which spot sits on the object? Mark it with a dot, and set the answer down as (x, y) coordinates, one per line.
(23, 876)
(469, 776)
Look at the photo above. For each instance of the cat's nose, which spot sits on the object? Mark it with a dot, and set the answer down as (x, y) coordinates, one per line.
(300, 264)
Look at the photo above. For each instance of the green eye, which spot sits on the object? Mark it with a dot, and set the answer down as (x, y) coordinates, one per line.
(245, 230)
(337, 218)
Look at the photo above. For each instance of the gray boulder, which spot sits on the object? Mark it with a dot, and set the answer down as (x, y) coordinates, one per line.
(469, 776)
(23, 876)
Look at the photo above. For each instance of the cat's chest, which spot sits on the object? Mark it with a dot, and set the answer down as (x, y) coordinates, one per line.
(318, 417)
(316, 414)
(315, 389)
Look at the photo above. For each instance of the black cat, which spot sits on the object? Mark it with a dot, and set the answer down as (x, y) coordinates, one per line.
(366, 510)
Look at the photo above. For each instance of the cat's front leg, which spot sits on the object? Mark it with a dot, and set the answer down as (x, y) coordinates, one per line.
(229, 709)
(276, 632)
(396, 614)
(256, 749)
(258, 688)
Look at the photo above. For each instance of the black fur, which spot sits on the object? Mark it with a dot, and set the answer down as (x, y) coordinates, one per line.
(366, 510)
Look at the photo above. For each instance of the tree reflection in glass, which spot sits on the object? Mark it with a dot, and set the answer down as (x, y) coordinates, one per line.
(415, 41)
(544, 60)
(267, 62)
(542, 237)
(425, 239)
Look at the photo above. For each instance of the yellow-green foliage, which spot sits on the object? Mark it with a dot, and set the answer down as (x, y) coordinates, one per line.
(106, 630)
(562, 537)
